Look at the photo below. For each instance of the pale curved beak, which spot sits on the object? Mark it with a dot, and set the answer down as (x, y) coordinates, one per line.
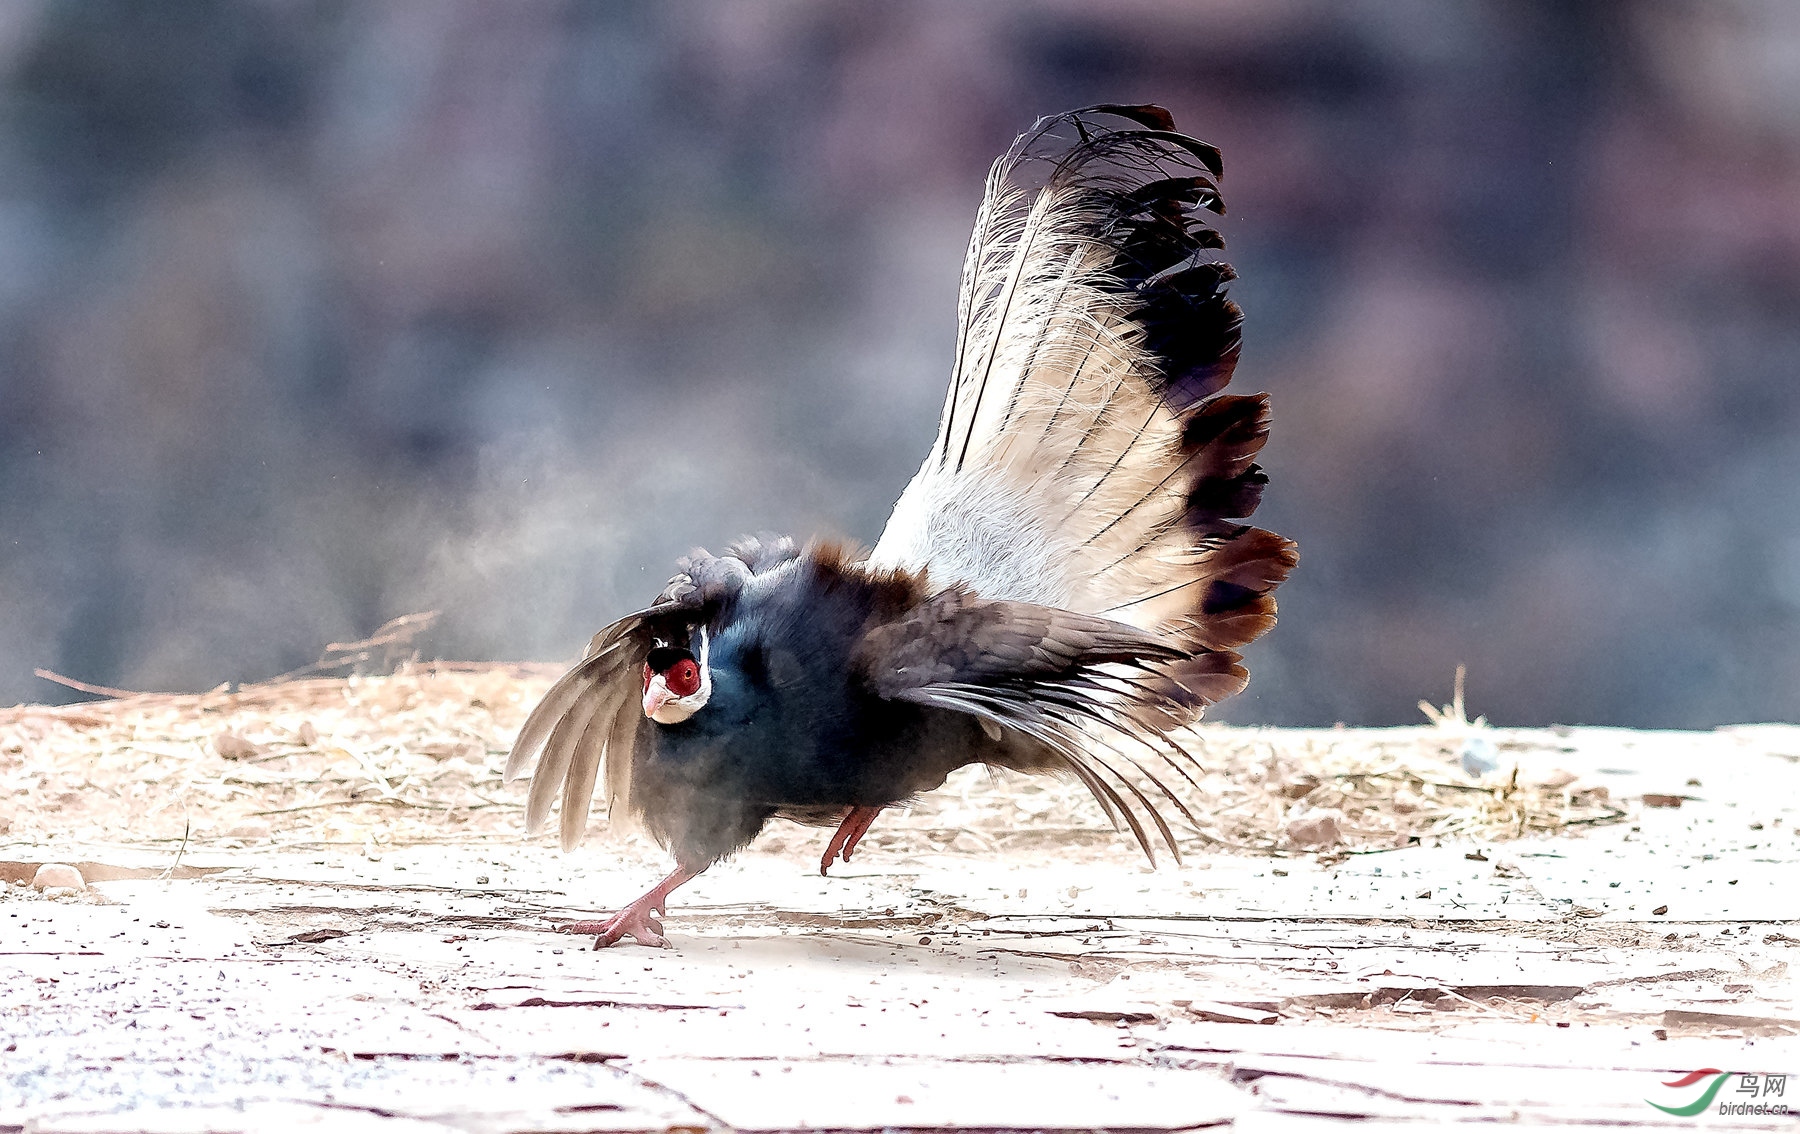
(657, 698)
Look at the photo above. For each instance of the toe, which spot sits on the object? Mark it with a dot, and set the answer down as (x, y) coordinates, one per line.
(648, 931)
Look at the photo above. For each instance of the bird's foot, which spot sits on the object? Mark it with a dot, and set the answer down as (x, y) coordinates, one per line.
(850, 832)
(636, 921)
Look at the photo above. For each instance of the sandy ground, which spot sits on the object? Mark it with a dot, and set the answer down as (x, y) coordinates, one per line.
(312, 907)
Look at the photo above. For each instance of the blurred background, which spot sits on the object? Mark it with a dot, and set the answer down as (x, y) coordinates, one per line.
(317, 313)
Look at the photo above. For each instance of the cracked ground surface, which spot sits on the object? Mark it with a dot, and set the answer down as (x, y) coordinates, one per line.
(946, 978)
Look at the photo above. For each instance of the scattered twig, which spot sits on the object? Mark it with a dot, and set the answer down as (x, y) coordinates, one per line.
(85, 687)
(393, 638)
(187, 829)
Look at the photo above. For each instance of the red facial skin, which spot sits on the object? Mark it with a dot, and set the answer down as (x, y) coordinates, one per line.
(682, 678)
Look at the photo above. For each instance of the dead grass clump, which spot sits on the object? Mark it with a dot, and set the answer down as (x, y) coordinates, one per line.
(414, 757)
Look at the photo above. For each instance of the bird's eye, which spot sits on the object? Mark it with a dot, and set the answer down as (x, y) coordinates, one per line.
(683, 678)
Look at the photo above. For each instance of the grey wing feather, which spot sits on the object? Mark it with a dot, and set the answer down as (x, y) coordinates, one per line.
(957, 635)
(1077, 685)
(569, 735)
(596, 669)
(559, 756)
(597, 744)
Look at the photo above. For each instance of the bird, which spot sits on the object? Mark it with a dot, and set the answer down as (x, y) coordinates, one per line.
(1062, 587)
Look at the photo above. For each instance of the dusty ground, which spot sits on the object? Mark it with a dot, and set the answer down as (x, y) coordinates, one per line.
(312, 906)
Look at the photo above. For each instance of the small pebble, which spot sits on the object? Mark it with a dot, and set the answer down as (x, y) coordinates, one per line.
(58, 875)
(251, 829)
(1316, 829)
(234, 747)
(1479, 756)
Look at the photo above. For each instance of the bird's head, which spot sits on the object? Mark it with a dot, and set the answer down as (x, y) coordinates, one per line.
(677, 682)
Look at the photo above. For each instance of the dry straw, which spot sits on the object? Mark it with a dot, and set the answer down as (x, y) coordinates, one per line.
(415, 757)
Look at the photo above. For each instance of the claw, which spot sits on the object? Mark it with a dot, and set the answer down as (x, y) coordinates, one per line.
(636, 924)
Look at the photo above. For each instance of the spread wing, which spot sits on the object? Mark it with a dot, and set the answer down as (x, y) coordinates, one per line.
(590, 718)
(1085, 458)
(1093, 696)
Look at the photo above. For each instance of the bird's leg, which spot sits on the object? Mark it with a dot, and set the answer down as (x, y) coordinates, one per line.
(848, 834)
(860, 829)
(636, 920)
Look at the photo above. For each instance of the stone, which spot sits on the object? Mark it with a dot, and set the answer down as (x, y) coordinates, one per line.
(1478, 757)
(1316, 830)
(234, 747)
(58, 875)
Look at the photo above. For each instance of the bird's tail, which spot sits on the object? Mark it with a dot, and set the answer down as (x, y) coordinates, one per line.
(1086, 457)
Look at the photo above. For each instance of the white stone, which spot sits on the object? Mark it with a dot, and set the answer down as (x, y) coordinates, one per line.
(58, 874)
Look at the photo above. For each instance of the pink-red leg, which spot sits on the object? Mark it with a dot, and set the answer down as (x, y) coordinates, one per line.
(636, 920)
(860, 829)
(850, 832)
